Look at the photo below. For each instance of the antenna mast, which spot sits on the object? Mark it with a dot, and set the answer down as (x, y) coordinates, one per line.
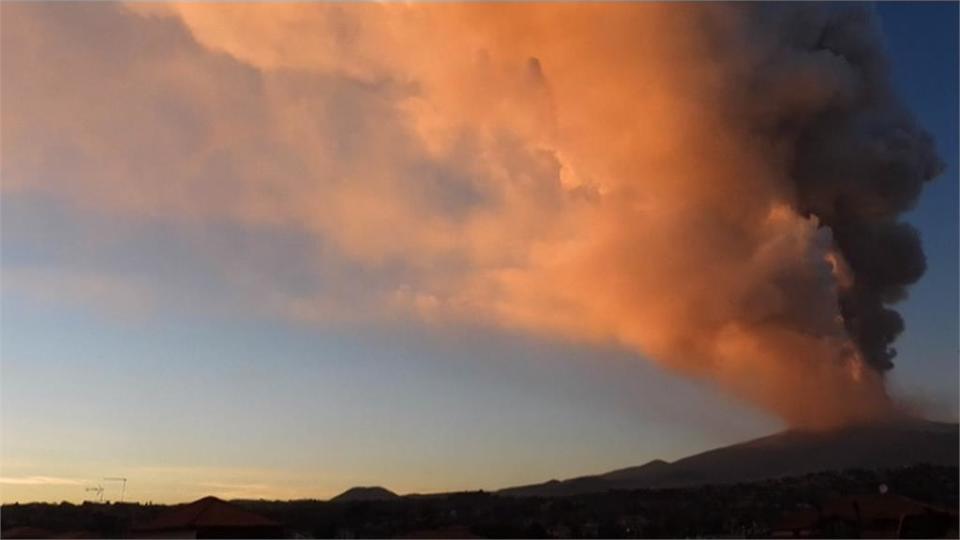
(123, 488)
(98, 489)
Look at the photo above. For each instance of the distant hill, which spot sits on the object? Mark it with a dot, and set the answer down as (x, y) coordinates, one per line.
(789, 453)
(375, 493)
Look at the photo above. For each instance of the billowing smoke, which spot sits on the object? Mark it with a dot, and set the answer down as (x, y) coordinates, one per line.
(715, 186)
(858, 163)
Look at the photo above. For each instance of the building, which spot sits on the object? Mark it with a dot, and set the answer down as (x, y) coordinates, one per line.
(869, 516)
(209, 517)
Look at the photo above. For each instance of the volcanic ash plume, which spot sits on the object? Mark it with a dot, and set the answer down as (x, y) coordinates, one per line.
(714, 186)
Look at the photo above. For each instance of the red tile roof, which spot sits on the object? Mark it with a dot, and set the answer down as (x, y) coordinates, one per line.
(866, 507)
(207, 512)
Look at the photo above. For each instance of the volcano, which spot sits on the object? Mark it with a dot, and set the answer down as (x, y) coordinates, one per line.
(788, 453)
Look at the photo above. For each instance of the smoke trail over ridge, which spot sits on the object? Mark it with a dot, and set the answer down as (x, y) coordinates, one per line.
(715, 186)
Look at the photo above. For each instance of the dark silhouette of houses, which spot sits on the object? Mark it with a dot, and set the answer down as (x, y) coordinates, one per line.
(455, 531)
(36, 532)
(797, 524)
(209, 517)
(869, 516)
(27, 532)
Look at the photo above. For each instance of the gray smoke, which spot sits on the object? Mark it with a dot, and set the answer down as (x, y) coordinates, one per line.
(860, 162)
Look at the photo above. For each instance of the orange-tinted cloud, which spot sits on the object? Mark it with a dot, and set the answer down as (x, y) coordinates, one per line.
(606, 172)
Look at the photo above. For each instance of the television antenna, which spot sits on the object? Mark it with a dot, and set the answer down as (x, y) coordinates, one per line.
(123, 488)
(98, 489)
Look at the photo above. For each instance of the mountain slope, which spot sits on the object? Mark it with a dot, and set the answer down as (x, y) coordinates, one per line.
(788, 453)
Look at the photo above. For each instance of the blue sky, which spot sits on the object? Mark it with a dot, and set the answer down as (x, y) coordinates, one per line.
(148, 364)
(921, 47)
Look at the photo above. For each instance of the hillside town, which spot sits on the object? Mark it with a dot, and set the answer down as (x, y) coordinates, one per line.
(911, 502)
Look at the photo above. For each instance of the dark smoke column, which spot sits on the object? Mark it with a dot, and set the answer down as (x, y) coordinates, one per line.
(860, 163)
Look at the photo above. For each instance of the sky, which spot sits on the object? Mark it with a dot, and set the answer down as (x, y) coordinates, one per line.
(217, 279)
